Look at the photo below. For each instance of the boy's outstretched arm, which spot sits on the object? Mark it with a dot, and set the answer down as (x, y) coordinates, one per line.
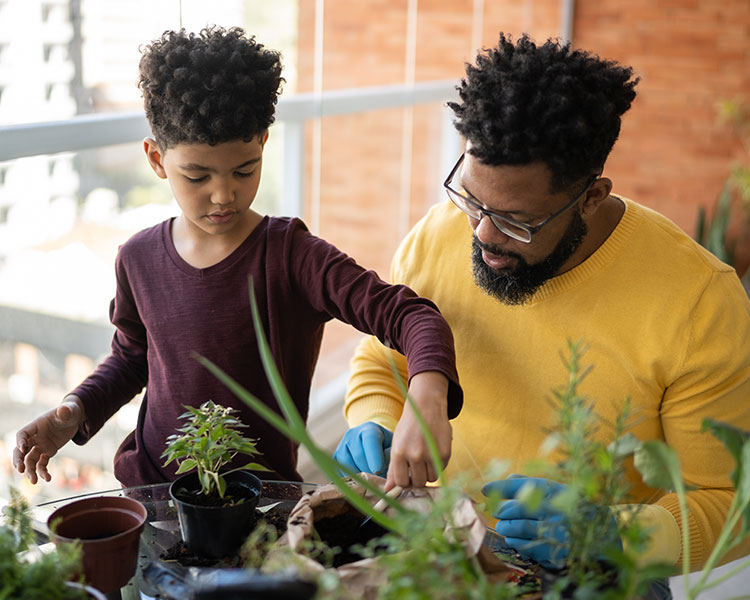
(40, 440)
(411, 462)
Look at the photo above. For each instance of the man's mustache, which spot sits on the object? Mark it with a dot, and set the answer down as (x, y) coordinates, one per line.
(495, 250)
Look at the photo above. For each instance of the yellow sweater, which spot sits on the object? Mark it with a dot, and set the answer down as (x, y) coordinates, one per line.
(665, 323)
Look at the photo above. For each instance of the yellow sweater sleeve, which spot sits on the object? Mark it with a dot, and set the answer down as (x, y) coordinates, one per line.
(372, 392)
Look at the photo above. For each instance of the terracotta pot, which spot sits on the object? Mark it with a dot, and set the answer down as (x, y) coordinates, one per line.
(109, 529)
(216, 531)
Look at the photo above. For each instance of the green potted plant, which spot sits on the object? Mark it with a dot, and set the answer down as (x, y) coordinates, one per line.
(27, 573)
(215, 508)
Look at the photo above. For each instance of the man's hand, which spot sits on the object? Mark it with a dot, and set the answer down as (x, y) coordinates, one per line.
(40, 440)
(541, 534)
(411, 462)
(365, 449)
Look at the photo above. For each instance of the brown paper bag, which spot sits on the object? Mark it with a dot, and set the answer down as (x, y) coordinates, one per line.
(363, 577)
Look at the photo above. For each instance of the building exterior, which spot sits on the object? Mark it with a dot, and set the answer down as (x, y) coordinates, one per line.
(673, 155)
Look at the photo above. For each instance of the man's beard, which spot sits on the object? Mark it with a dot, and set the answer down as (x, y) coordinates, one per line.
(516, 286)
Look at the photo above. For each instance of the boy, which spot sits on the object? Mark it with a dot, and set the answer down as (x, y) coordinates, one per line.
(182, 285)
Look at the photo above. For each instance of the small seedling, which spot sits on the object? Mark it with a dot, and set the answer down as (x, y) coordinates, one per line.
(210, 440)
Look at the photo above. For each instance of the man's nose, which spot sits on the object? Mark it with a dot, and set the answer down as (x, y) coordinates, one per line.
(488, 234)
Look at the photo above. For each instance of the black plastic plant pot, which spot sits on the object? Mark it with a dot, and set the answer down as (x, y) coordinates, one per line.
(210, 527)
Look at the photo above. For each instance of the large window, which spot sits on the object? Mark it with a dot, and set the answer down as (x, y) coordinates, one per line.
(358, 164)
(62, 216)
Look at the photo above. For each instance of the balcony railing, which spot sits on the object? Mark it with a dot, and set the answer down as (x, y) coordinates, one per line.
(60, 336)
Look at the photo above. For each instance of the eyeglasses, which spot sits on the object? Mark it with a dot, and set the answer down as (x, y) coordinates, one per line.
(510, 227)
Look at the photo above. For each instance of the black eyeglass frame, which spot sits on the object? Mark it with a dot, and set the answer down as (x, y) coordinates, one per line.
(480, 211)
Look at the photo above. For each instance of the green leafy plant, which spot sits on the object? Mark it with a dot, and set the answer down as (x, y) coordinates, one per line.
(210, 440)
(593, 472)
(25, 572)
(711, 232)
(660, 467)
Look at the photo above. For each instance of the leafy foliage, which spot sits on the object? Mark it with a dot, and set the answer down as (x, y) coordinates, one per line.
(594, 473)
(429, 562)
(660, 467)
(210, 440)
(25, 572)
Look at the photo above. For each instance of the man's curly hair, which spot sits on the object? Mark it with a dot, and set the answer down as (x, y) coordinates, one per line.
(524, 103)
(207, 88)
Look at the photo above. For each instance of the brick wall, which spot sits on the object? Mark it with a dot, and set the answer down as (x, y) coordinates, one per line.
(672, 154)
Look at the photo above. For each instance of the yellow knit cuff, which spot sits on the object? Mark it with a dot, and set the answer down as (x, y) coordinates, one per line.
(385, 421)
(664, 544)
(379, 409)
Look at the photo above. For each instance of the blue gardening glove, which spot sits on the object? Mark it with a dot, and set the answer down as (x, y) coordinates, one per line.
(542, 534)
(365, 449)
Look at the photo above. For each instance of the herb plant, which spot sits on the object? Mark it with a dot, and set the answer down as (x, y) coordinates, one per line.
(210, 440)
(25, 572)
(660, 467)
(594, 474)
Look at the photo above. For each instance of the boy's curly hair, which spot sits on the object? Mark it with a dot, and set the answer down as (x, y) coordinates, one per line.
(207, 88)
(522, 103)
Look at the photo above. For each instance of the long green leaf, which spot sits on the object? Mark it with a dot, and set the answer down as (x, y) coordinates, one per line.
(291, 414)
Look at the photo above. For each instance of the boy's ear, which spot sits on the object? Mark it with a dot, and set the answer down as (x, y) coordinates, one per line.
(154, 156)
(265, 138)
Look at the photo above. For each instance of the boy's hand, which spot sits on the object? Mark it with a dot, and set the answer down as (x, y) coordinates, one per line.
(411, 463)
(40, 440)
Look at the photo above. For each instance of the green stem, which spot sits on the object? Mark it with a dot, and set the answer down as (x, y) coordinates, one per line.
(721, 547)
(723, 578)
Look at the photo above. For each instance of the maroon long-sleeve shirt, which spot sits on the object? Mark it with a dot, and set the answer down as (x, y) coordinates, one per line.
(165, 310)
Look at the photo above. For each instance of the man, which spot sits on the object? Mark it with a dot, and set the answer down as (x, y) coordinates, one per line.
(535, 250)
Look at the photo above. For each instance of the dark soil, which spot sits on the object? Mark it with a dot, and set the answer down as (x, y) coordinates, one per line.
(236, 493)
(181, 553)
(344, 531)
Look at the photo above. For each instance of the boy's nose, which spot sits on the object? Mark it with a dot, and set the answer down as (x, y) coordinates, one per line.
(222, 194)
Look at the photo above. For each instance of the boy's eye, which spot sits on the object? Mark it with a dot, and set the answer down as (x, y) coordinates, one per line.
(196, 179)
(243, 174)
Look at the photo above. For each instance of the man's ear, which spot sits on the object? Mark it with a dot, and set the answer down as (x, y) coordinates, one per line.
(154, 157)
(597, 193)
